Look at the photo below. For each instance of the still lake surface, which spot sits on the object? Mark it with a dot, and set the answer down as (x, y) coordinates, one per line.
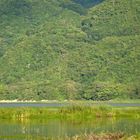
(57, 104)
(40, 129)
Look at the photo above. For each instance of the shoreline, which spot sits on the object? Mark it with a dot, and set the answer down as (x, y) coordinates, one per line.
(29, 101)
(69, 101)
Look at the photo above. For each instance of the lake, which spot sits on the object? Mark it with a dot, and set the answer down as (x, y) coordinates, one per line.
(40, 129)
(57, 104)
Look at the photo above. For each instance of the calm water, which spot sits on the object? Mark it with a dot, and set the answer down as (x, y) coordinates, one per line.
(42, 129)
(55, 104)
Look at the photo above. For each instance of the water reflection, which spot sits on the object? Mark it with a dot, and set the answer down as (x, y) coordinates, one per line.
(41, 129)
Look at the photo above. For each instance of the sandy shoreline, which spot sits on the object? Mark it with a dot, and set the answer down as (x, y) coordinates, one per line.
(28, 101)
(69, 101)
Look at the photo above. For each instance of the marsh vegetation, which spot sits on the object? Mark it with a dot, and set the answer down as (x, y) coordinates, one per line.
(70, 123)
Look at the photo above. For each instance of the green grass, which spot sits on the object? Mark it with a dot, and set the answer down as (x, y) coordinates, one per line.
(72, 112)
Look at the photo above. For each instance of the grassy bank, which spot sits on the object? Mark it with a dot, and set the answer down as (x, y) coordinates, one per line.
(71, 112)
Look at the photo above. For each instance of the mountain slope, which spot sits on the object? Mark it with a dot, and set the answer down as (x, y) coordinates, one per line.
(68, 50)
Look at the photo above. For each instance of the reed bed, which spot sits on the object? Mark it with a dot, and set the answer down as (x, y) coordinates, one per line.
(71, 112)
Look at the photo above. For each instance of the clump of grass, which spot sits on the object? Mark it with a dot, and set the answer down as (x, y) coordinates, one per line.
(89, 111)
(110, 136)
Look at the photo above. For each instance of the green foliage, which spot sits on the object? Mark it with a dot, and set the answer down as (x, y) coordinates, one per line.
(64, 50)
(113, 18)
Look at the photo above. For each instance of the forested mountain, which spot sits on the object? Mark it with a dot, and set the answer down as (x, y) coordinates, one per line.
(69, 49)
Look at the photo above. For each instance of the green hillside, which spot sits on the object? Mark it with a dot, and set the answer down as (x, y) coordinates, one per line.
(69, 49)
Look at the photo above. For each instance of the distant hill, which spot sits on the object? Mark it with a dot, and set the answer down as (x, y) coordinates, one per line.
(69, 49)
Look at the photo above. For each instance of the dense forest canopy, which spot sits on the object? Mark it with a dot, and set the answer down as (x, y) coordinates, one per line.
(69, 49)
